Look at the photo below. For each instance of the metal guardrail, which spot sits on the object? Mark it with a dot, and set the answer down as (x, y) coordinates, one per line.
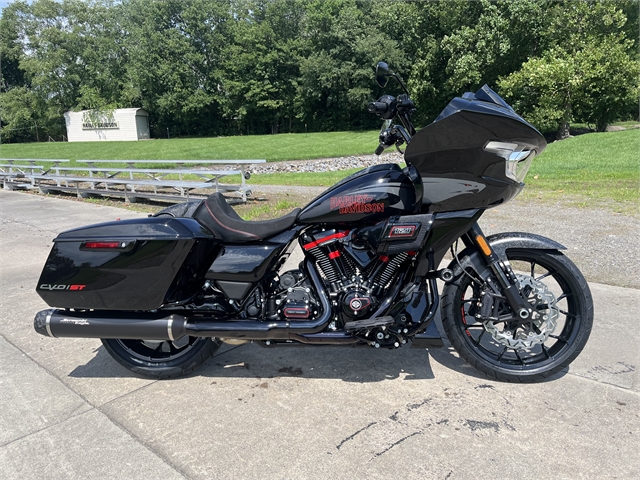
(139, 182)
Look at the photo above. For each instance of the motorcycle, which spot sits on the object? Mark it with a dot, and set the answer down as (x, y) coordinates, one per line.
(164, 292)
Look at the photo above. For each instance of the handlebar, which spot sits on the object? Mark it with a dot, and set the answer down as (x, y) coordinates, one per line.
(387, 107)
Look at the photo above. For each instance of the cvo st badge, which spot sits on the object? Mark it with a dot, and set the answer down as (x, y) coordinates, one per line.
(48, 286)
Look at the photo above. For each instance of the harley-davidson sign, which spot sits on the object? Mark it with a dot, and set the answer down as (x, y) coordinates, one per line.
(355, 204)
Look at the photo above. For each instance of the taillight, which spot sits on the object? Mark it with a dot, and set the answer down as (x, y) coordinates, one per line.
(104, 245)
(121, 246)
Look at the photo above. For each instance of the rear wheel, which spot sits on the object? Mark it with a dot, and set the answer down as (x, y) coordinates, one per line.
(162, 359)
(488, 335)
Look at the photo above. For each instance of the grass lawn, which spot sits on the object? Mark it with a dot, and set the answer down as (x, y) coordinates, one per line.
(269, 147)
(592, 169)
(597, 165)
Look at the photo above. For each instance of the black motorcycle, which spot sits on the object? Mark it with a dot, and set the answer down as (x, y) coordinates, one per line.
(164, 292)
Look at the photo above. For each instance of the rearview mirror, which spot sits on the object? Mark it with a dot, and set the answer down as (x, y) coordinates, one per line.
(382, 72)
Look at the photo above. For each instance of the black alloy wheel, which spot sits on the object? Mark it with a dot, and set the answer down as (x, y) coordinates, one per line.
(511, 349)
(162, 359)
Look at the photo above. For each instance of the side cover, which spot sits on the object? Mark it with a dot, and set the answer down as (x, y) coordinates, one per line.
(124, 265)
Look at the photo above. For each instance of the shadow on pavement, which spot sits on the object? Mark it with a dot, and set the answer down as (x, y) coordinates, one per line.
(349, 364)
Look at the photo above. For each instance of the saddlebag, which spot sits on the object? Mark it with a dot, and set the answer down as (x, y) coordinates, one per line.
(124, 265)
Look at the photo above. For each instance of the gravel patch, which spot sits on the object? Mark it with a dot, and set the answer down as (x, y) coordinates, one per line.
(326, 164)
(604, 245)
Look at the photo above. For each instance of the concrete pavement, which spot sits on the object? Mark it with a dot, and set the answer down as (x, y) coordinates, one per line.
(67, 410)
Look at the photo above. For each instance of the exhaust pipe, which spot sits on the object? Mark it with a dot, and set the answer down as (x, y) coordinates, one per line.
(60, 323)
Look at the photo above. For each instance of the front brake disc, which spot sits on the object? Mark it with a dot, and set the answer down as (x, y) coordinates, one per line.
(544, 317)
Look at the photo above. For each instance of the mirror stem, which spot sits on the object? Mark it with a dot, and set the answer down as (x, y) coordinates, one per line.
(397, 77)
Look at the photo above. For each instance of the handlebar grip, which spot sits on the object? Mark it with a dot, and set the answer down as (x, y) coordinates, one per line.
(378, 107)
(380, 149)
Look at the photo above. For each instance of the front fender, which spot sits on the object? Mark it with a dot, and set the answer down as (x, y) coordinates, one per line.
(500, 243)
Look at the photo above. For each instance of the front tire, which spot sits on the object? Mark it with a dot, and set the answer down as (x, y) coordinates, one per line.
(502, 349)
(162, 359)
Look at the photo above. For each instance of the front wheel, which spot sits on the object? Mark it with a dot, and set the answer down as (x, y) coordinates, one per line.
(488, 335)
(162, 359)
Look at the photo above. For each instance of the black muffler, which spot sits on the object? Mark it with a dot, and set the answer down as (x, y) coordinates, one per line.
(61, 323)
(133, 326)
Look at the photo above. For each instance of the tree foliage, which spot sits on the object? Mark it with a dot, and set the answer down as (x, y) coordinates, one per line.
(589, 72)
(225, 67)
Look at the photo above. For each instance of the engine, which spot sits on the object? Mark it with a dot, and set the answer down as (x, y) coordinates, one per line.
(358, 266)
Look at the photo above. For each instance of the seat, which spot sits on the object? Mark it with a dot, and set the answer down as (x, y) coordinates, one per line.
(217, 215)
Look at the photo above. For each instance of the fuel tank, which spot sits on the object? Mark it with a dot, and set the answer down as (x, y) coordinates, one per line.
(369, 195)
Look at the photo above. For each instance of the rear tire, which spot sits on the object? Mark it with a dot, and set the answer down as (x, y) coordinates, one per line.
(162, 359)
(487, 349)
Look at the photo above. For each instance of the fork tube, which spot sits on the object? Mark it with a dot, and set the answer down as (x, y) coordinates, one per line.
(508, 285)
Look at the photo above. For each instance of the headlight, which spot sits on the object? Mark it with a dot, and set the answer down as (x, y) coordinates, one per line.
(518, 158)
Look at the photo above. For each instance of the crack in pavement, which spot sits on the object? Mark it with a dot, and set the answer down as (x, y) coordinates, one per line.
(351, 437)
(395, 444)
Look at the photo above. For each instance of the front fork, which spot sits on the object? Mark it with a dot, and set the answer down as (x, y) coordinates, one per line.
(506, 279)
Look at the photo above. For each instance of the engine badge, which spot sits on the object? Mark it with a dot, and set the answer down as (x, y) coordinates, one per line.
(402, 231)
(297, 312)
(357, 303)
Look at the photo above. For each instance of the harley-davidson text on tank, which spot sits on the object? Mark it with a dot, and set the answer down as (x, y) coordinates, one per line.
(355, 204)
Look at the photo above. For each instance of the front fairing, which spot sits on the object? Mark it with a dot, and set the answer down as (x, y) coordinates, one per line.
(451, 154)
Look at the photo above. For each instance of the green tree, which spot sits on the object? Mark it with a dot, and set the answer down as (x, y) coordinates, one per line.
(175, 50)
(261, 65)
(343, 43)
(587, 74)
(204, 67)
(20, 119)
(544, 90)
(16, 118)
(68, 52)
(11, 47)
(609, 83)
